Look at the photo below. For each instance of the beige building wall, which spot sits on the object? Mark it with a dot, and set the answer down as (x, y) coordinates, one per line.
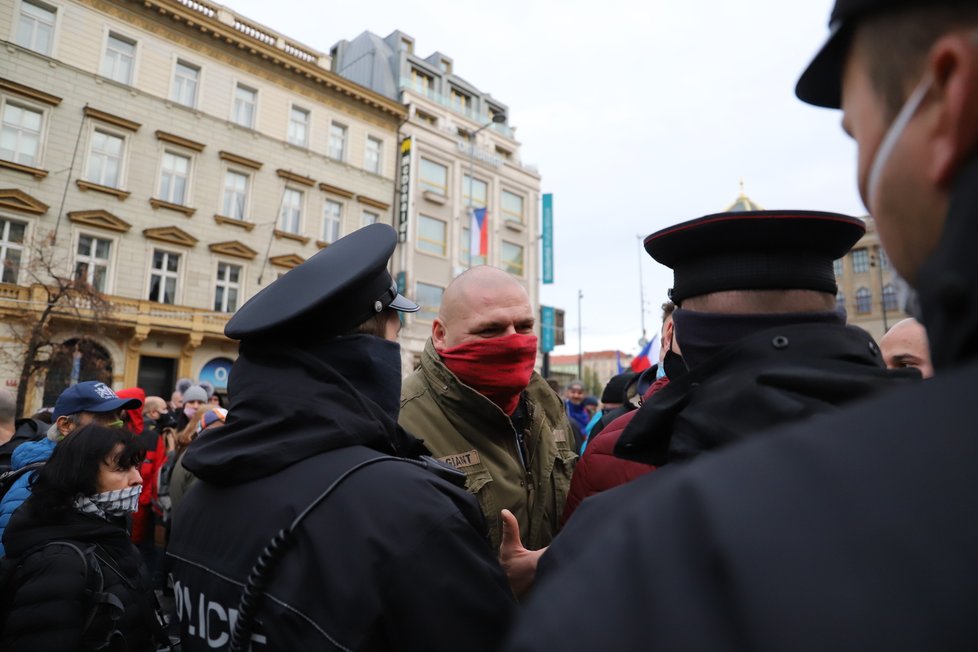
(76, 103)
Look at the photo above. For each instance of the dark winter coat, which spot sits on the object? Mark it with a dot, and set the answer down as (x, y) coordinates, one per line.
(855, 530)
(45, 598)
(397, 558)
(25, 430)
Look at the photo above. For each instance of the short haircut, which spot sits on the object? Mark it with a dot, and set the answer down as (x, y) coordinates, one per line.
(8, 406)
(897, 41)
(73, 468)
(667, 309)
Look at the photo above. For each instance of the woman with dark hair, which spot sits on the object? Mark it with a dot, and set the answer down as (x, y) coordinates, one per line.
(72, 578)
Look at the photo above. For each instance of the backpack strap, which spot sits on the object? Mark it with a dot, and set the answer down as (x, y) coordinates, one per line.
(8, 478)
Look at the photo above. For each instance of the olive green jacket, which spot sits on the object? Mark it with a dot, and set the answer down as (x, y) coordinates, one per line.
(468, 431)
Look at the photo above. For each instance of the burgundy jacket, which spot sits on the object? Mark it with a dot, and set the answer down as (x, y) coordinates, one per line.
(598, 469)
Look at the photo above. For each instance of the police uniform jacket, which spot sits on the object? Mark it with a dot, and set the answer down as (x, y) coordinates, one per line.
(465, 429)
(856, 530)
(396, 558)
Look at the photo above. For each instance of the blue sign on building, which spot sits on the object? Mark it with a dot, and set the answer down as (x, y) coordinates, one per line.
(546, 329)
(216, 372)
(548, 238)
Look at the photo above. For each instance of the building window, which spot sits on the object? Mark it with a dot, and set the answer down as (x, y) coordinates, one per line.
(20, 135)
(92, 261)
(840, 300)
(512, 207)
(332, 218)
(860, 261)
(372, 155)
(11, 249)
(434, 177)
(35, 28)
(120, 58)
(245, 103)
(235, 194)
(186, 79)
(174, 178)
(429, 298)
(431, 235)
(426, 118)
(512, 258)
(837, 267)
(105, 159)
(864, 301)
(884, 260)
(479, 191)
(227, 288)
(369, 218)
(890, 298)
(337, 142)
(422, 82)
(163, 277)
(299, 127)
(466, 247)
(461, 101)
(291, 217)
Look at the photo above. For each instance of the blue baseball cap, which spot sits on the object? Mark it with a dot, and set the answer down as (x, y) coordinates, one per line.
(91, 396)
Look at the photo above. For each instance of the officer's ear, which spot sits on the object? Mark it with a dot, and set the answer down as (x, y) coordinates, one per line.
(953, 64)
(438, 334)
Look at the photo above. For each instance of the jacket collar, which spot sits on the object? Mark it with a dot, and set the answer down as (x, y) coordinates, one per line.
(948, 281)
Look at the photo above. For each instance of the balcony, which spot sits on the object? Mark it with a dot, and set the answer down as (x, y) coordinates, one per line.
(481, 117)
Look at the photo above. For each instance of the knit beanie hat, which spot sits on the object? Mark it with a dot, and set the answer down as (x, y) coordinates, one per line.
(195, 393)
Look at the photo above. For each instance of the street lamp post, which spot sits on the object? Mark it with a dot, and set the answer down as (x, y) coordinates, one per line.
(580, 345)
(497, 118)
(641, 291)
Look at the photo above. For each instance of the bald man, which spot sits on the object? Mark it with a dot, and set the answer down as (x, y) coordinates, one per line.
(905, 345)
(479, 406)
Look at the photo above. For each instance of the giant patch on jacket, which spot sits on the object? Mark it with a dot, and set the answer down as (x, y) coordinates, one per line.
(462, 460)
(559, 434)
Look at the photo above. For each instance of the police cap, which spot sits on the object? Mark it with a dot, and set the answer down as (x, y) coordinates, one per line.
(754, 250)
(331, 293)
(821, 83)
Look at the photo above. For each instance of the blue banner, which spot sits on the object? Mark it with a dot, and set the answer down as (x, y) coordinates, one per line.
(546, 329)
(216, 372)
(548, 241)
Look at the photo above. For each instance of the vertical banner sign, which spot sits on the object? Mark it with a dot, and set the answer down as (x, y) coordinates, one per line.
(404, 179)
(548, 240)
(546, 329)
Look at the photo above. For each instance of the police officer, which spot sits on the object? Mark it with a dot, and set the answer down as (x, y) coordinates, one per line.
(858, 530)
(390, 551)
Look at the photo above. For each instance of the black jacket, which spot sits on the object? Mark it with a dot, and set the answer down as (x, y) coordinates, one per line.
(25, 430)
(396, 558)
(855, 531)
(46, 600)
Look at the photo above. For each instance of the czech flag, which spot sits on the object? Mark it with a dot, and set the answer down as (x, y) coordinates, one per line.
(648, 356)
(479, 233)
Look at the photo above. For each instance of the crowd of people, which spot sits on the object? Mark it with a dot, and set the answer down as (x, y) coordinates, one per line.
(779, 480)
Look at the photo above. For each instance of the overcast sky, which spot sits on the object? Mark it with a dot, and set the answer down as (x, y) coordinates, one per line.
(637, 117)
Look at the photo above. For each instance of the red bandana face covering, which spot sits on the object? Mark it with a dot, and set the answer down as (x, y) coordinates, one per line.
(499, 368)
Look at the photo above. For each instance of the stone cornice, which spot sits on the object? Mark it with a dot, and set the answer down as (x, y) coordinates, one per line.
(367, 201)
(173, 139)
(295, 178)
(100, 219)
(290, 236)
(179, 208)
(325, 187)
(27, 91)
(115, 192)
(26, 169)
(230, 221)
(233, 248)
(240, 160)
(114, 120)
(18, 200)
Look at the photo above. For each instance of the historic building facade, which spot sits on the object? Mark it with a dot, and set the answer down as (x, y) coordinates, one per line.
(459, 154)
(175, 158)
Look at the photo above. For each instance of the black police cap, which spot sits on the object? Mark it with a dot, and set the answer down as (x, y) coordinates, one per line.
(754, 250)
(331, 293)
(821, 83)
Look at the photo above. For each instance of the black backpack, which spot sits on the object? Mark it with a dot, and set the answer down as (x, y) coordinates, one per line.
(8, 479)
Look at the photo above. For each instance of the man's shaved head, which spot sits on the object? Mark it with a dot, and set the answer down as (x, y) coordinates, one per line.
(481, 303)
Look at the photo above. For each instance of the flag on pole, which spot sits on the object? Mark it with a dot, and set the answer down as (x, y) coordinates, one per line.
(479, 233)
(618, 361)
(648, 356)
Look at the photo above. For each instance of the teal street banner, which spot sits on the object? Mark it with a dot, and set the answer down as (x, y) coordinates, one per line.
(548, 241)
(546, 329)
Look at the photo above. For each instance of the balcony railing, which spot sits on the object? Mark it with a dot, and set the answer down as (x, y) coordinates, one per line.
(481, 117)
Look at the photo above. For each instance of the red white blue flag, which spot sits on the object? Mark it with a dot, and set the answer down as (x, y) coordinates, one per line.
(648, 356)
(479, 233)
